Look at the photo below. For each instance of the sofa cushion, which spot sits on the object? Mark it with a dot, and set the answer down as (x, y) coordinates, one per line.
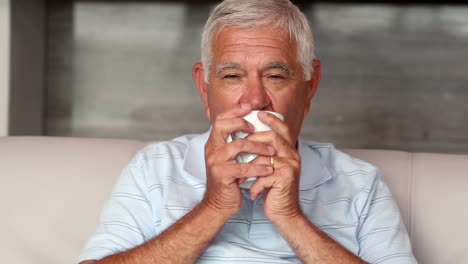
(439, 208)
(52, 191)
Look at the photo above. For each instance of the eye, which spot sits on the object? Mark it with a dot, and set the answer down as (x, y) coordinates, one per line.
(231, 76)
(276, 77)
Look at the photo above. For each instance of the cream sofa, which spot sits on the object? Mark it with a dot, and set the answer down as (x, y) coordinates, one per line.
(52, 190)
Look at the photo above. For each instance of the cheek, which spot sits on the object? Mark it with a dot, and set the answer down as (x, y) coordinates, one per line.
(288, 99)
(221, 100)
(292, 104)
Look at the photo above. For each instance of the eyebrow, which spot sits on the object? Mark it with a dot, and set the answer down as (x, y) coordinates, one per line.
(226, 66)
(279, 65)
(269, 66)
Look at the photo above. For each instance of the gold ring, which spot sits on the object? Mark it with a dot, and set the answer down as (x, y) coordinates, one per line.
(272, 162)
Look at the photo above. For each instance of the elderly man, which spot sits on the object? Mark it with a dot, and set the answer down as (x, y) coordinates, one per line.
(180, 201)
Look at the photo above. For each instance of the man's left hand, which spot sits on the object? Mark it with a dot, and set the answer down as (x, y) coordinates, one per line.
(280, 189)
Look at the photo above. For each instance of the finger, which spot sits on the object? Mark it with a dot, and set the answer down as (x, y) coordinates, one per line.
(276, 125)
(236, 111)
(240, 146)
(242, 170)
(260, 185)
(262, 160)
(241, 181)
(281, 146)
(223, 127)
(272, 181)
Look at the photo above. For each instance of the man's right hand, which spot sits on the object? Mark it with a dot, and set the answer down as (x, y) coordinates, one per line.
(223, 173)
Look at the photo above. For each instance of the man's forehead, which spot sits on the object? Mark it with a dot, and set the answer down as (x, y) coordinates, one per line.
(271, 29)
(252, 40)
(264, 27)
(230, 37)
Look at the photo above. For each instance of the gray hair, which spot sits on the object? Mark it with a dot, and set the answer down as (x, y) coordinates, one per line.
(254, 13)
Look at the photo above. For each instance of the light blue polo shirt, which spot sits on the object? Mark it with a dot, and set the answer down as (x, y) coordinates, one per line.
(343, 196)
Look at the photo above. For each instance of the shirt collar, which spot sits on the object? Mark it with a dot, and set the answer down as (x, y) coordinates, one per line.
(313, 170)
(194, 162)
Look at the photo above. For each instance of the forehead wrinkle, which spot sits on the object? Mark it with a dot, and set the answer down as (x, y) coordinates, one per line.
(249, 45)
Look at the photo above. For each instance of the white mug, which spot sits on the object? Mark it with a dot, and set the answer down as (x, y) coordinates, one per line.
(259, 127)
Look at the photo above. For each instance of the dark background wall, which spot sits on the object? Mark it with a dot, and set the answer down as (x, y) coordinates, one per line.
(27, 67)
(394, 75)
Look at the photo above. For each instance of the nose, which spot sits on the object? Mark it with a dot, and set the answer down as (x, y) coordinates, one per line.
(256, 95)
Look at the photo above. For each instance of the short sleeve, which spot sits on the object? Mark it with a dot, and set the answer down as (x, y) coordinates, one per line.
(381, 234)
(127, 218)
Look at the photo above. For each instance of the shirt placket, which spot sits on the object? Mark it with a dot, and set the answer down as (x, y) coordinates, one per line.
(261, 227)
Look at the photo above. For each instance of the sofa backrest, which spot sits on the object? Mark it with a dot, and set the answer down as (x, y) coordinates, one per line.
(51, 193)
(52, 190)
(432, 192)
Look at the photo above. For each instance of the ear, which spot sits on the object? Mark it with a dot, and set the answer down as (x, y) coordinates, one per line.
(313, 83)
(198, 75)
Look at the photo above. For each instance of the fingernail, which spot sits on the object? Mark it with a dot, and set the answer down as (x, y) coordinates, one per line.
(245, 106)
